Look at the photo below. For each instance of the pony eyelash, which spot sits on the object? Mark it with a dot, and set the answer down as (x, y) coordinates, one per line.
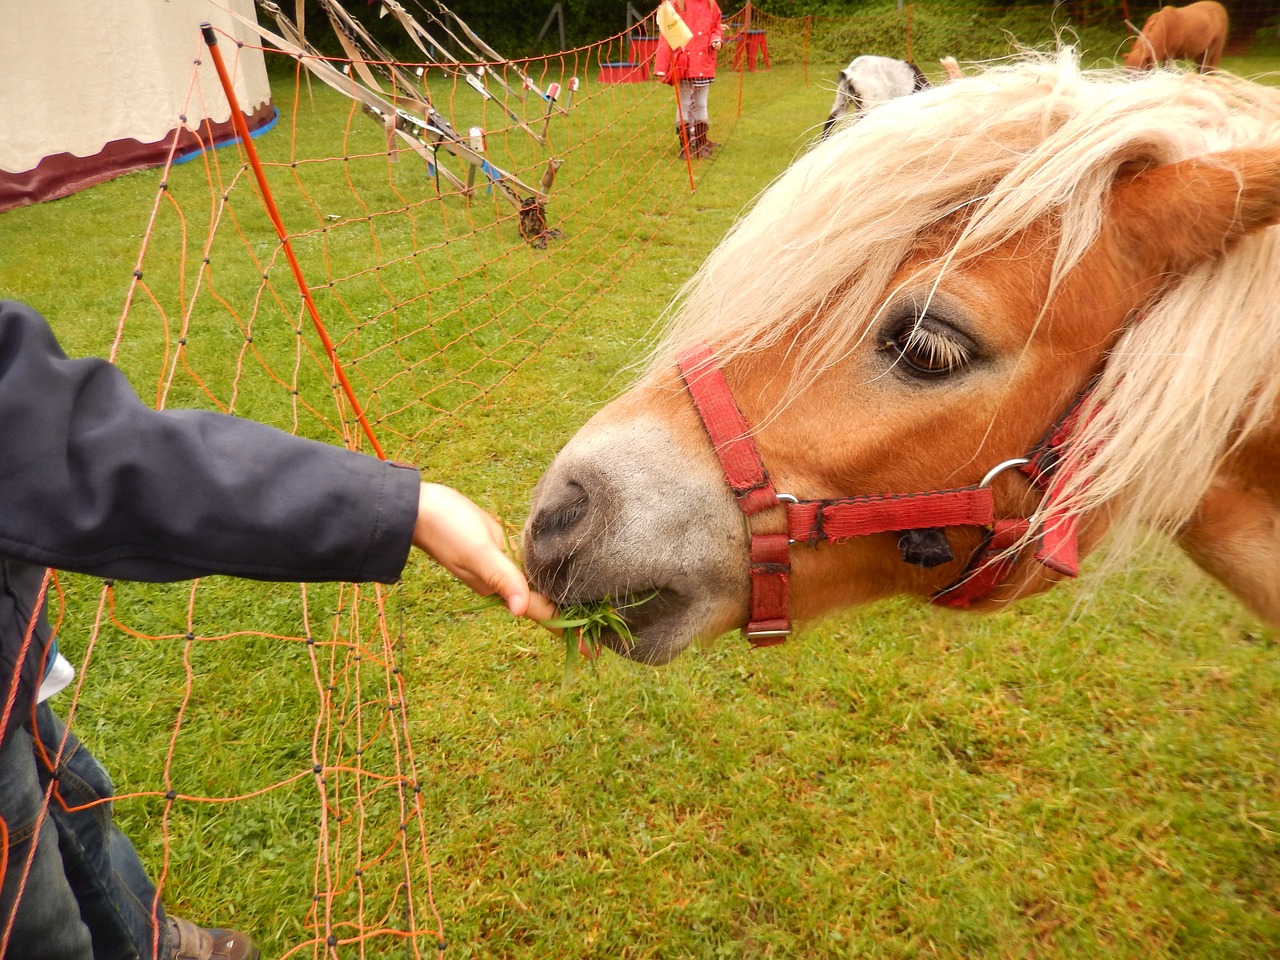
(929, 352)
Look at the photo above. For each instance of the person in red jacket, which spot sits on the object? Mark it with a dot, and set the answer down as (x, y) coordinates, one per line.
(691, 70)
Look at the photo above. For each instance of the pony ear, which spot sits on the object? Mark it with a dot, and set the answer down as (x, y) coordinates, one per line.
(1170, 218)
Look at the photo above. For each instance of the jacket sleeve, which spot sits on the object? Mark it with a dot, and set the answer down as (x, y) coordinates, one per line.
(97, 482)
(662, 59)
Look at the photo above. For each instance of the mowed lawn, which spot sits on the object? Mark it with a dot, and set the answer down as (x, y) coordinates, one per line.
(1090, 774)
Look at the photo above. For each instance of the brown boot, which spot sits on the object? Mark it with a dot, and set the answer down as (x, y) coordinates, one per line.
(705, 144)
(698, 140)
(190, 942)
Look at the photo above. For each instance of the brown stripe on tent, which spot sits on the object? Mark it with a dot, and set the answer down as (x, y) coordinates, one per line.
(62, 174)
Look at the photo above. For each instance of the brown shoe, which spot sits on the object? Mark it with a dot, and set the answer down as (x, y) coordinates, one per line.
(190, 942)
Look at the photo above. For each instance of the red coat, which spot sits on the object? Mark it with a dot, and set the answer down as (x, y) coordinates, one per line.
(697, 59)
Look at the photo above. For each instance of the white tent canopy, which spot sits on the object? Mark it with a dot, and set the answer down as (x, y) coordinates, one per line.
(89, 91)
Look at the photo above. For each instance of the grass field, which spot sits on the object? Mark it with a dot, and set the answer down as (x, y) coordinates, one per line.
(1092, 774)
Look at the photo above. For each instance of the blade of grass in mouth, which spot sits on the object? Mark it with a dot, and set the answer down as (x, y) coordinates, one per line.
(583, 624)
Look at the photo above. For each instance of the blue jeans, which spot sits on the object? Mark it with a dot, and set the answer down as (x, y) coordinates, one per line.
(86, 894)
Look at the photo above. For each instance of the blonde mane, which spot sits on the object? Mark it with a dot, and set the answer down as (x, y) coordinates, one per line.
(1005, 149)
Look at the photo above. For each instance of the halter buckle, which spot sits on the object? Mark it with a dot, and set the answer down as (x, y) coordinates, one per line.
(755, 636)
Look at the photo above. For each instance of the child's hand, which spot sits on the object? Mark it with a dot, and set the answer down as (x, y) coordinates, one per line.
(468, 542)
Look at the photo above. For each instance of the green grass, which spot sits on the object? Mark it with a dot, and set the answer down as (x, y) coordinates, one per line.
(1089, 775)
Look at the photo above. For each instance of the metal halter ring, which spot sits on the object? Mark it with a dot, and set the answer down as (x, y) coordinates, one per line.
(787, 498)
(1000, 468)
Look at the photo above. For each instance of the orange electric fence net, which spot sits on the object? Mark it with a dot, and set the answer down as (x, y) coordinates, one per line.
(418, 233)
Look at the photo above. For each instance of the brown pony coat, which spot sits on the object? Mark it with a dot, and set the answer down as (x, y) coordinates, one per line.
(1195, 32)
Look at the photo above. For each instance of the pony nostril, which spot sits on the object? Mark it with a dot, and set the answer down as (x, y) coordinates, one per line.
(562, 513)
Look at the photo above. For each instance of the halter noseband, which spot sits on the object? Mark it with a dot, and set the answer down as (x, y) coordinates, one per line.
(812, 521)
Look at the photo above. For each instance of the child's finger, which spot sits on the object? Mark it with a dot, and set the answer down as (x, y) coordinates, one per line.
(540, 608)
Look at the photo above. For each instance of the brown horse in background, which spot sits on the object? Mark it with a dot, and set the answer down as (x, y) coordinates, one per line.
(1196, 32)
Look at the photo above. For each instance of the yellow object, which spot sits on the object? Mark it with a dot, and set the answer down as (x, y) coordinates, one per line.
(672, 28)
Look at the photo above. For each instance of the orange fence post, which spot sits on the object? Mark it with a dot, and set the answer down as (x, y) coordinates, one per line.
(807, 22)
(684, 128)
(740, 46)
(910, 8)
(269, 203)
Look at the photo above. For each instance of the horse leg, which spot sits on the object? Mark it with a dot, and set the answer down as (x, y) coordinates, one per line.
(1235, 538)
(1209, 62)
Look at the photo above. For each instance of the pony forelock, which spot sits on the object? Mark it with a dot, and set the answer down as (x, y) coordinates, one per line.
(983, 159)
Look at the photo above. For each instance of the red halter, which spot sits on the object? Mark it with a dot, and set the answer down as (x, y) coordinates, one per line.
(812, 521)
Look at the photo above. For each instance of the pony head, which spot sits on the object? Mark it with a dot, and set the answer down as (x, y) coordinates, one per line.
(909, 327)
(1143, 54)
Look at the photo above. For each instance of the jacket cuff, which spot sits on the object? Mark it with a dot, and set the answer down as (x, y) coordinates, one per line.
(392, 535)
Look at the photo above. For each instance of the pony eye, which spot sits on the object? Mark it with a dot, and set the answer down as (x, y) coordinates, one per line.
(928, 352)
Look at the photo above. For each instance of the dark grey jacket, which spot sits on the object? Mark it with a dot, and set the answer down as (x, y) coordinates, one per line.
(94, 481)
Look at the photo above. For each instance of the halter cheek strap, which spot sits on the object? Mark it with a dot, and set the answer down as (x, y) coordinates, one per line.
(811, 522)
(744, 470)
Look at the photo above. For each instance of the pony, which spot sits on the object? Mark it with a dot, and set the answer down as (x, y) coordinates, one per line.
(869, 80)
(952, 347)
(1197, 32)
